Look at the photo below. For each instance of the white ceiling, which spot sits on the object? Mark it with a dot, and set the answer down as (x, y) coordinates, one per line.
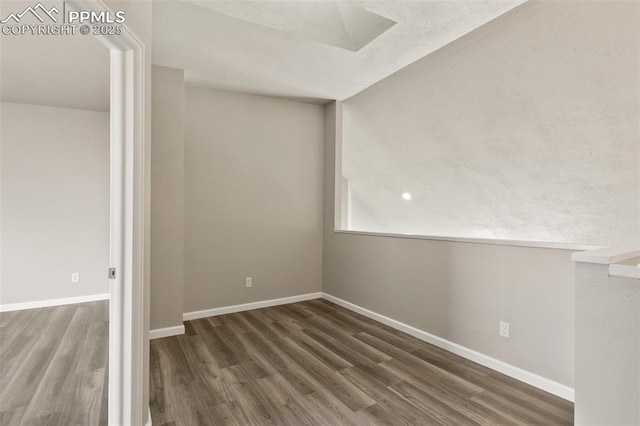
(338, 23)
(61, 71)
(265, 47)
(219, 44)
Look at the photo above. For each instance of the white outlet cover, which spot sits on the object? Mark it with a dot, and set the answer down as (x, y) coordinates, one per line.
(248, 282)
(504, 329)
(75, 277)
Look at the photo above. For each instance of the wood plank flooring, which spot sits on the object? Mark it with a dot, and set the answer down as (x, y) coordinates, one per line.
(314, 363)
(54, 365)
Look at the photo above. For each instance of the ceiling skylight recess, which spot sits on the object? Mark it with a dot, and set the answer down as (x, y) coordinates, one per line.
(336, 23)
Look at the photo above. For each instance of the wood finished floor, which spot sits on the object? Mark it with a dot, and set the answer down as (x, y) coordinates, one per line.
(314, 363)
(53, 365)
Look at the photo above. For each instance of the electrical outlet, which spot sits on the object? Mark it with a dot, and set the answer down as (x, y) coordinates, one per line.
(504, 329)
(75, 277)
(248, 282)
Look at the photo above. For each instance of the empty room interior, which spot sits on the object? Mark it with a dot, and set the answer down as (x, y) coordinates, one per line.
(320, 212)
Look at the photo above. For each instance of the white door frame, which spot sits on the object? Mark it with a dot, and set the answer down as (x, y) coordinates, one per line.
(127, 336)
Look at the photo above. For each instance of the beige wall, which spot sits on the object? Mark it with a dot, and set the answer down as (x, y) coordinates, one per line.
(253, 198)
(607, 347)
(167, 197)
(525, 129)
(458, 291)
(55, 202)
(541, 76)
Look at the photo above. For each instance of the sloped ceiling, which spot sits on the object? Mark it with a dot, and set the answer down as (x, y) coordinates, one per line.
(527, 130)
(305, 49)
(293, 48)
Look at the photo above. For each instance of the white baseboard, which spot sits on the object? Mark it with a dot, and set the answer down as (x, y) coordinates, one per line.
(517, 373)
(188, 316)
(53, 302)
(149, 422)
(159, 333)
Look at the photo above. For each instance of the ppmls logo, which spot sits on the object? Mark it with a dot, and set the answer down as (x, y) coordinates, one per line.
(33, 10)
(40, 20)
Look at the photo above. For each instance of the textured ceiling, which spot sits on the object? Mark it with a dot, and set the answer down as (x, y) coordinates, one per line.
(218, 49)
(281, 56)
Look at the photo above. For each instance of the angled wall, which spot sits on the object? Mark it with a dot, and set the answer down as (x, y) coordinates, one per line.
(542, 77)
(525, 129)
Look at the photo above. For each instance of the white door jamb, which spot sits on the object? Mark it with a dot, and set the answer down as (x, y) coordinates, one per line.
(127, 337)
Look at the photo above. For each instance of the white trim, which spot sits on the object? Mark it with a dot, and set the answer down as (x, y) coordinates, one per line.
(128, 336)
(53, 302)
(126, 320)
(517, 243)
(625, 271)
(149, 421)
(532, 379)
(159, 333)
(337, 176)
(188, 316)
(607, 255)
